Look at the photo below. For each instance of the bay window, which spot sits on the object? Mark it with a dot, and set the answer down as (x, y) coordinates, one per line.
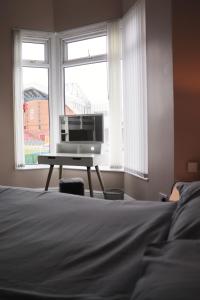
(80, 72)
(55, 74)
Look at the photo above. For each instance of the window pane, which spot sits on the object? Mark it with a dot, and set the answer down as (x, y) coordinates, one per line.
(86, 92)
(33, 51)
(87, 48)
(36, 113)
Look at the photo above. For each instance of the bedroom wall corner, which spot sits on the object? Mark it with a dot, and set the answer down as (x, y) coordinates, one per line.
(126, 4)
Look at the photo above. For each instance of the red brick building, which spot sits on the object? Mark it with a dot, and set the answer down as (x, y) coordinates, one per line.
(36, 115)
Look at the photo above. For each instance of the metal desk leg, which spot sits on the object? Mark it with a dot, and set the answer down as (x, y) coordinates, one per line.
(49, 177)
(100, 178)
(90, 181)
(60, 172)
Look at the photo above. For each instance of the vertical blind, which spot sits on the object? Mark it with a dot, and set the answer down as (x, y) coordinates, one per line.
(115, 93)
(18, 100)
(135, 91)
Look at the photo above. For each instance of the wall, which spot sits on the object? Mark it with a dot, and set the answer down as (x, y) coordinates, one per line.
(186, 61)
(31, 14)
(160, 104)
(59, 15)
(39, 15)
(127, 4)
(76, 13)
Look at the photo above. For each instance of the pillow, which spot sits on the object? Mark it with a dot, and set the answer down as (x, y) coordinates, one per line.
(186, 219)
(170, 271)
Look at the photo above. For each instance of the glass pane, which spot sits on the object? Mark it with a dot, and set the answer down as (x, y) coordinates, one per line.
(86, 92)
(33, 51)
(87, 48)
(36, 113)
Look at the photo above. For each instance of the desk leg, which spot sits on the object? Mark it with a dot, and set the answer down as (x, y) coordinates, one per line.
(60, 172)
(90, 181)
(49, 177)
(100, 178)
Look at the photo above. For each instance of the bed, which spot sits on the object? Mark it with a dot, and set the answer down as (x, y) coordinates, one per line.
(61, 246)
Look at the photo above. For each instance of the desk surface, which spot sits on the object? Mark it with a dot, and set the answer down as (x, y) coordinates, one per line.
(72, 159)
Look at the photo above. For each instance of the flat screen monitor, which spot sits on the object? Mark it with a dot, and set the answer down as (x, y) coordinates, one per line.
(82, 128)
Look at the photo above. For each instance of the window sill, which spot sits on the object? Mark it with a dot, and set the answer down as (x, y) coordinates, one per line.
(102, 168)
(137, 176)
(43, 167)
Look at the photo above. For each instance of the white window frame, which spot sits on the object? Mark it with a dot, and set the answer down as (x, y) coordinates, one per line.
(83, 60)
(39, 40)
(113, 58)
(76, 35)
(49, 40)
(80, 34)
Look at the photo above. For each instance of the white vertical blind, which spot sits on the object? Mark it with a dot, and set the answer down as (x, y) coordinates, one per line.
(18, 100)
(115, 93)
(135, 90)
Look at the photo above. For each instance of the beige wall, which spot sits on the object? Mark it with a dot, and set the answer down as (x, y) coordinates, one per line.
(76, 13)
(39, 15)
(29, 14)
(186, 61)
(160, 105)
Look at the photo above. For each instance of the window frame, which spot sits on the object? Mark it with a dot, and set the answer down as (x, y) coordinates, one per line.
(83, 60)
(75, 35)
(49, 40)
(81, 34)
(39, 63)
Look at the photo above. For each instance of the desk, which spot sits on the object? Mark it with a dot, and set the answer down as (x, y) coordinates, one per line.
(68, 159)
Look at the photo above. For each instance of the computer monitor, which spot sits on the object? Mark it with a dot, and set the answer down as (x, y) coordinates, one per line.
(82, 128)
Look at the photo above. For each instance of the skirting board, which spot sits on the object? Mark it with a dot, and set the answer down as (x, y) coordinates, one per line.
(97, 194)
